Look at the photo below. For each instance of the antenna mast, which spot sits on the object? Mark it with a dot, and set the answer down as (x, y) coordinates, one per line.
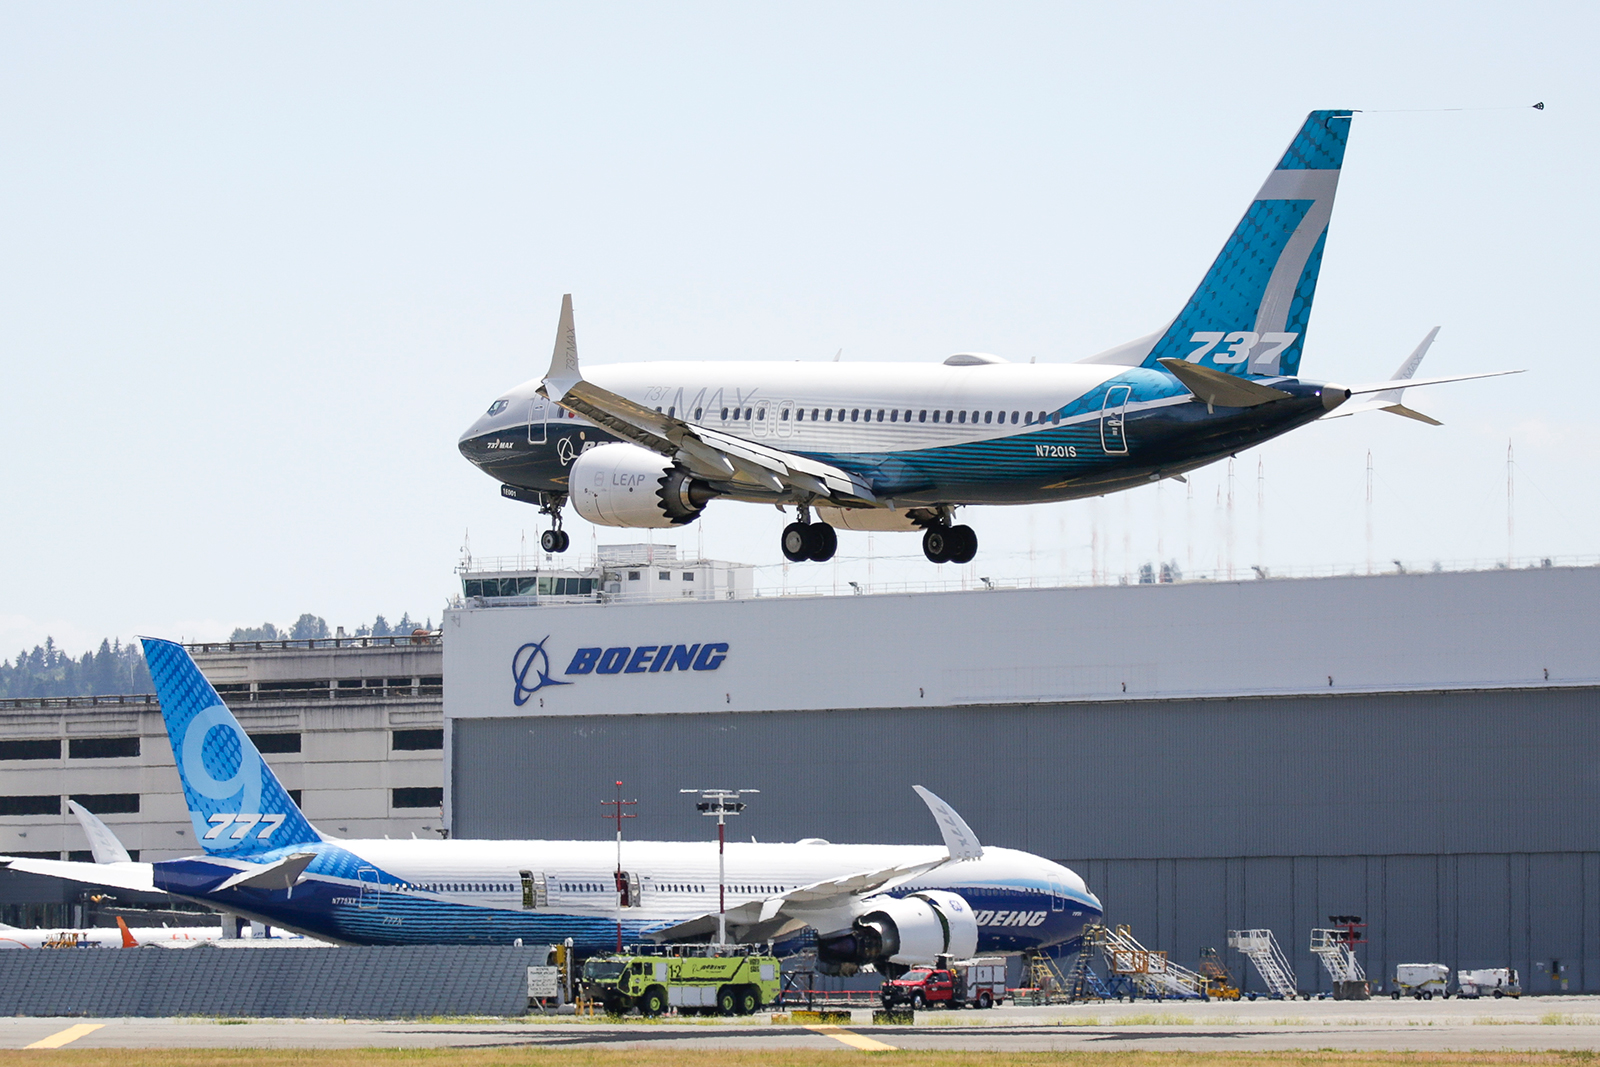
(617, 813)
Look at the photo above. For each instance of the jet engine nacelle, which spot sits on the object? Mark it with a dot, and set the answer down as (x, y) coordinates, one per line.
(625, 485)
(902, 931)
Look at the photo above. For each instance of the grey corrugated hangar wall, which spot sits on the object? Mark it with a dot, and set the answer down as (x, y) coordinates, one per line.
(1463, 826)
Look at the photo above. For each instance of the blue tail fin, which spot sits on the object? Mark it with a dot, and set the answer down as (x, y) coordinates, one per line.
(236, 802)
(1250, 312)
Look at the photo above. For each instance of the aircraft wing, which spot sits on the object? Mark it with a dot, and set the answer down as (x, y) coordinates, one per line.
(103, 843)
(135, 876)
(830, 903)
(711, 455)
(762, 920)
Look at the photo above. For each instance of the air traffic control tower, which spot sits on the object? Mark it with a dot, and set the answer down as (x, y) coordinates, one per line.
(1418, 749)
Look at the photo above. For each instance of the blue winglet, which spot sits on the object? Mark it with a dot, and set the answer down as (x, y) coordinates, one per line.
(235, 801)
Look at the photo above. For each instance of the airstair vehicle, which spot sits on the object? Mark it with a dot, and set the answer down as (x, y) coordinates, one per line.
(1335, 948)
(1148, 971)
(1261, 948)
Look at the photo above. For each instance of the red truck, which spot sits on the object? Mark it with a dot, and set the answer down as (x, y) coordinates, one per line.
(975, 983)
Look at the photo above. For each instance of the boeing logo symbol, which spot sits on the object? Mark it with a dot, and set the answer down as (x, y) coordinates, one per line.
(531, 657)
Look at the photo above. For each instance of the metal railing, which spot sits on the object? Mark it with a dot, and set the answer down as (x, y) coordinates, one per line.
(389, 693)
(290, 644)
(45, 703)
(774, 580)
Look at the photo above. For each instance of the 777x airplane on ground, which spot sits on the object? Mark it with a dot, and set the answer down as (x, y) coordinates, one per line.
(895, 446)
(890, 906)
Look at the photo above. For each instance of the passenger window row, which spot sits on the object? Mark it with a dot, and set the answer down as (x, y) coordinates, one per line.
(987, 418)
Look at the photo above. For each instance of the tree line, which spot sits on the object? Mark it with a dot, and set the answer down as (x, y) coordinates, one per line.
(310, 627)
(49, 672)
(116, 668)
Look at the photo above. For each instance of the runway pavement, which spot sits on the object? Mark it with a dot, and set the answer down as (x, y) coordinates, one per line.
(1538, 1023)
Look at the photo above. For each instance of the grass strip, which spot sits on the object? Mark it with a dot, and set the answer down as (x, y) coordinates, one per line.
(524, 1056)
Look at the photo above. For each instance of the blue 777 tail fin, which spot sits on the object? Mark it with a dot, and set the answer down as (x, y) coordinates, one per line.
(237, 805)
(1249, 314)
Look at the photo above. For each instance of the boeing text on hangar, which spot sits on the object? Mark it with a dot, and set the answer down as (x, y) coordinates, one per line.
(648, 659)
(533, 659)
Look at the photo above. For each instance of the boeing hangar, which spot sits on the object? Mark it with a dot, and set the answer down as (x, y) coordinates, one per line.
(1417, 749)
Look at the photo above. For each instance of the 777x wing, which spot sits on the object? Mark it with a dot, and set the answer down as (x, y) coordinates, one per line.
(830, 904)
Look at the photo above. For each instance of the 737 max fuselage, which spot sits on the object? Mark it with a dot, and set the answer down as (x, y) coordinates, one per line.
(917, 434)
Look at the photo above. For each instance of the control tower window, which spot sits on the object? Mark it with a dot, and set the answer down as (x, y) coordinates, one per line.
(497, 407)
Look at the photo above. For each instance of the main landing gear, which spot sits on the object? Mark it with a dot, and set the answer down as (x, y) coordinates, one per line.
(554, 539)
(949, 544)
(805, 540)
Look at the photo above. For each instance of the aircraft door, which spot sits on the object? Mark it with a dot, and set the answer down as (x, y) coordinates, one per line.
(785, 424)
(538, 410)
(370, 887)
(1113, 416)
(535, 891)
(762, 424)
(1058, 896)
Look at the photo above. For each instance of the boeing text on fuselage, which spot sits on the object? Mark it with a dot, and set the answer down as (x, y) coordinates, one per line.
(903, 446)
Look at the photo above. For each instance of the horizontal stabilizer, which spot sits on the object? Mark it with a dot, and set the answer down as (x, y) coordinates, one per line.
(1410, 413)
(1416, 383)
(1214, 388)
(280, 875)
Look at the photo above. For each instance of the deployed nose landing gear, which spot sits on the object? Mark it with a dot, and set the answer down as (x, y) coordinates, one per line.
(949, 544)
(805, 540)
(554, 539)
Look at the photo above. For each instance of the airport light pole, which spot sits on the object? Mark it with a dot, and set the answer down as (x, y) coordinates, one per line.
(721, 803)
(618, 814)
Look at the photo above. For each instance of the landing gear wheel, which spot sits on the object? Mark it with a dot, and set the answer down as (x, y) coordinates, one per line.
(963, 542)
(794, 542)
(554, 541)
(936, 544)
(821, 542)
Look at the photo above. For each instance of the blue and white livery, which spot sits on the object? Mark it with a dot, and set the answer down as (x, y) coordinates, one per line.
(891, 906)
(893, 446)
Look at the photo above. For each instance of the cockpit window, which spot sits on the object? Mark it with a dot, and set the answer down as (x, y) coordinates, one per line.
(498, 406)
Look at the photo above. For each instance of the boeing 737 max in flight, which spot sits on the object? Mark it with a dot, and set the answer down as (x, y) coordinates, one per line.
(897, 446)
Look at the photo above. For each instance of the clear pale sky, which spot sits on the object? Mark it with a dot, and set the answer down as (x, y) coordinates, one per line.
(262, 264)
